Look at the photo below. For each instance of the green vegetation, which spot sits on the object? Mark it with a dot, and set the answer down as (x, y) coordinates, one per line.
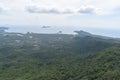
(58, 57)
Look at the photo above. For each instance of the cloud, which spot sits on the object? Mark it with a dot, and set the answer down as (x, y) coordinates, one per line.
(53, 10)
(44, 10)
(35, 9)
(89, 10)
(68, 11)
(74, 6)
(41, 10)
(3, 9)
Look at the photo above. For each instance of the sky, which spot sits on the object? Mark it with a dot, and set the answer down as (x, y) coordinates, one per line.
(101, 14)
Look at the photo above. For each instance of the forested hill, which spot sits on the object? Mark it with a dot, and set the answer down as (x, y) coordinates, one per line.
(34, 56)
(58, 42)
(104, 66)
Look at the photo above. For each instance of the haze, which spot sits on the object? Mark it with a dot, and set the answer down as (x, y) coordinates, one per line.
(97, 16)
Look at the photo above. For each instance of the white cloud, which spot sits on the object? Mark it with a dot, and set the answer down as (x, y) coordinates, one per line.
(3, 9)
(89, 10)
(68, 11)
(20, 11)
(35, 9)
(48, 10)
(62, 6)
(53, 10)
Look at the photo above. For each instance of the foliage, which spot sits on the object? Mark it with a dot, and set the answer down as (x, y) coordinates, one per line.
(58, 57)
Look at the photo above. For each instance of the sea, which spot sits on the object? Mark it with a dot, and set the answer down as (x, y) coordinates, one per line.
(65, 30)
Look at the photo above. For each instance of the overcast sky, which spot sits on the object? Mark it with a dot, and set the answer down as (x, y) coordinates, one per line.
(90, 13)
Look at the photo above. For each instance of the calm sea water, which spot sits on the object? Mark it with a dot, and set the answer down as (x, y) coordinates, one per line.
(65, 30)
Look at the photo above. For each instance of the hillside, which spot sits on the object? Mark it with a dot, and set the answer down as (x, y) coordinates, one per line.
(77, 44)
(57, 57)
(104, 66)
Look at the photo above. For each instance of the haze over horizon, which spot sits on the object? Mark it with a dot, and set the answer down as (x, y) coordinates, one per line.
(64, 29)
(99, 17)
